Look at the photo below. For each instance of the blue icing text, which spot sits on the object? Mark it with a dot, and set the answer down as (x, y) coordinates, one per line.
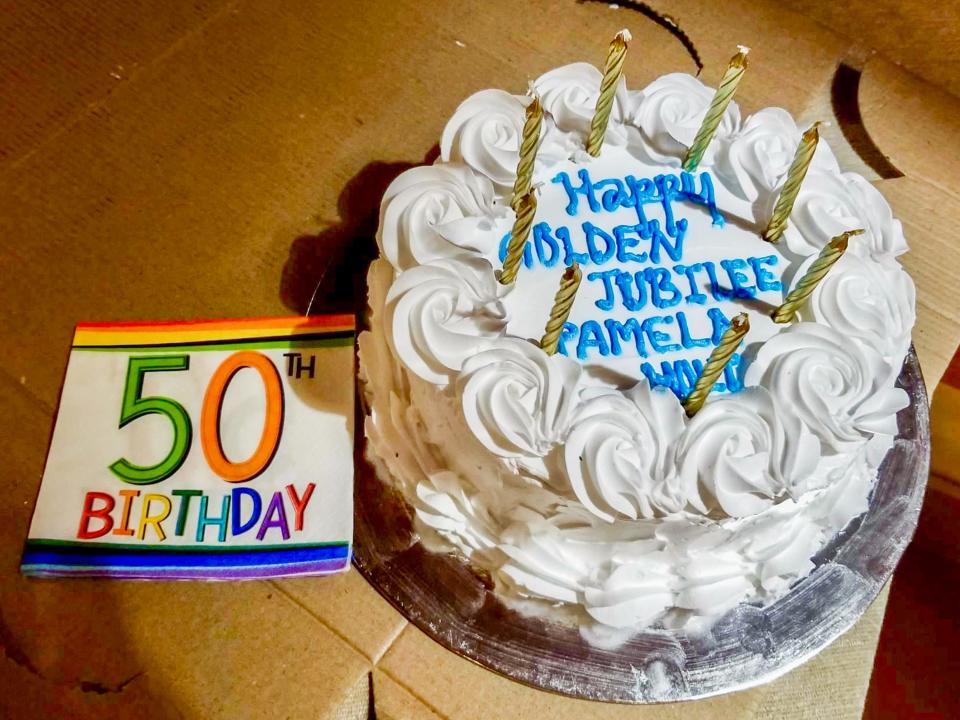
(646, 300)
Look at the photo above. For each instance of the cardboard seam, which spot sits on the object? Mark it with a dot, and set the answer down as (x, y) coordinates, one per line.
(417, 7)
(391, 641)
(296, 601)
(868, 76)
(667, 22)
(847, 111)
(21, 387)
(414, 695)
(14, 654)
(90, 108)
(930, 307)
(952, 194)
(858, 50)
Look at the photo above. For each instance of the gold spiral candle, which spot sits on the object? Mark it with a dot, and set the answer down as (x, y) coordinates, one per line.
(791, 186)
(718, 106)
(717, 361)
(562, 303)
(526, 210)
(528, 151)
(612, 71)
(831, 252)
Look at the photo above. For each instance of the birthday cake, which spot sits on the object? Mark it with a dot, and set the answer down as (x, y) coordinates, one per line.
(572, 466)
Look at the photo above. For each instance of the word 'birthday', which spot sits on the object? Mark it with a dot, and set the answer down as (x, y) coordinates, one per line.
(648, 274)
(133, 515)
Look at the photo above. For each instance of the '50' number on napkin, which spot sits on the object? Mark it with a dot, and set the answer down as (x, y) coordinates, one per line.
(135, 406)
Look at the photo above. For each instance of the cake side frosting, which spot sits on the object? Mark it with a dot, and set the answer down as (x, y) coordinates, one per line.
(576, 479)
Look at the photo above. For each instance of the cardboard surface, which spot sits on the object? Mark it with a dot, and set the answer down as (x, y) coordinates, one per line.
(351, 608)
(240, 153)
(919, 36)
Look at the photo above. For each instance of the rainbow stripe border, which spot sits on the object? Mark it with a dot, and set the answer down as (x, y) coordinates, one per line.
(58, 558)
(278, 332)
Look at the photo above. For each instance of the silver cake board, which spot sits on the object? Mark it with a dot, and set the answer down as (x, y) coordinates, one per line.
(748, 646)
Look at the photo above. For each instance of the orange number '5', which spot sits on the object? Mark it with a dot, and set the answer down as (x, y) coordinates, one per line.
(272, 424)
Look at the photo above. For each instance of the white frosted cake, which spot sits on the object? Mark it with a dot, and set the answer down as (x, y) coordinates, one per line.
(576, 480)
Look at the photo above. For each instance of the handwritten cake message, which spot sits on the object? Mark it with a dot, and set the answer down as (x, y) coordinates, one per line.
(650, 296)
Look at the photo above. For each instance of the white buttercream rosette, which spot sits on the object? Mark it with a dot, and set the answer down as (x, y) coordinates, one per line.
(830, 203)
(737, 449)
(569, 95)
(869, 300)
(669, 114)
(617, 453)
(486, 132)
(442, 313)
(516, 398)
(838, 391)
(756, 160)
(434, 212)
(612, 500)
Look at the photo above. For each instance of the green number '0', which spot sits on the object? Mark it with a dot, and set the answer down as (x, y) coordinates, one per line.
(135, 406)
